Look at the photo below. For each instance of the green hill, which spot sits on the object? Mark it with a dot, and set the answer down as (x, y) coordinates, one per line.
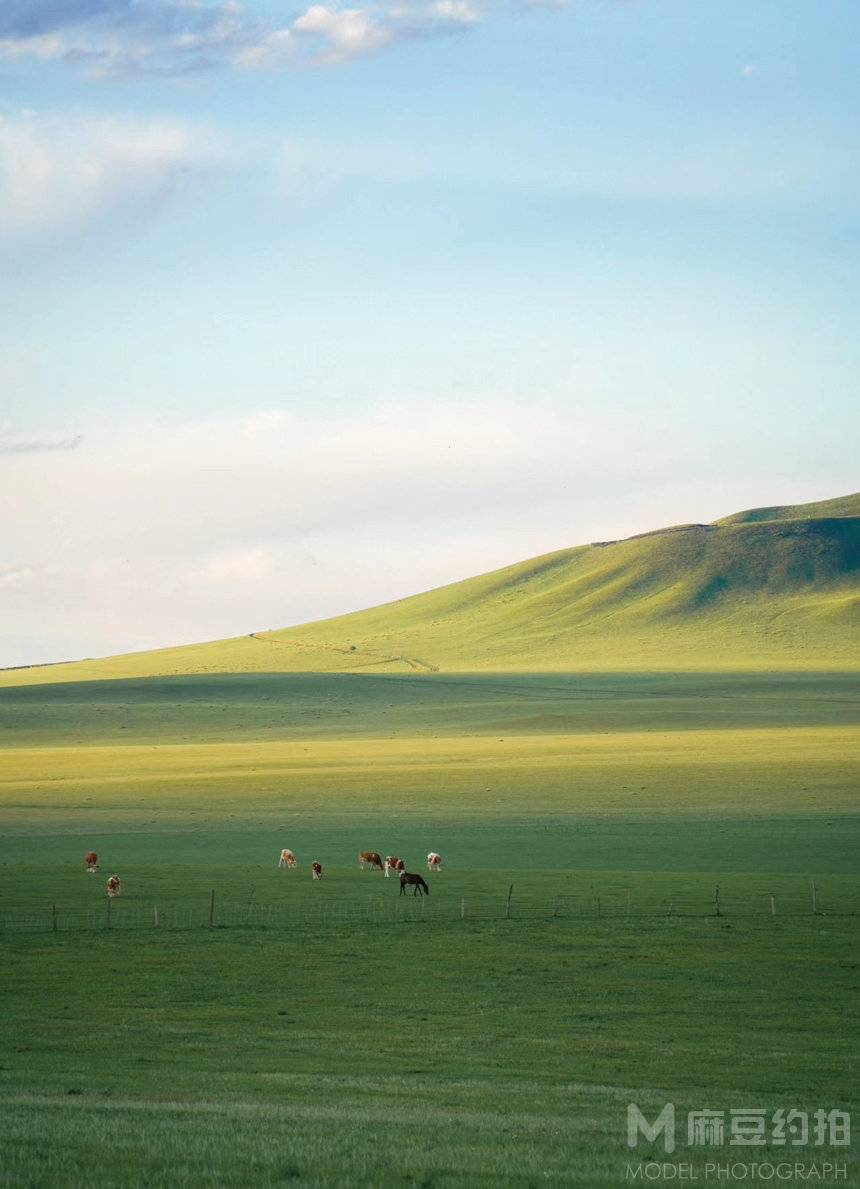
(842, 506)
(771, 588)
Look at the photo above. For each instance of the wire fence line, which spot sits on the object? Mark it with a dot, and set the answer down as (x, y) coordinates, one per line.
(611, 904)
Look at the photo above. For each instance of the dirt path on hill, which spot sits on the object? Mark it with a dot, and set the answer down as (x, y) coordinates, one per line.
(413, 662)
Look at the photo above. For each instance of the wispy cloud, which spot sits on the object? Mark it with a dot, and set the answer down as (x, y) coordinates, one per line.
(178, 37)
(16, 576)
(455, 12)
(124, 36)
(58, 171)
(22, 444)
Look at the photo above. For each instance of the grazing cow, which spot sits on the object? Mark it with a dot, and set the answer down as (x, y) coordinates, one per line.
(92, 861)
(113, 887)
(393, 864)
(434, 861)
(369, 858)
(417, 882)
(316, 869)
(287, 859)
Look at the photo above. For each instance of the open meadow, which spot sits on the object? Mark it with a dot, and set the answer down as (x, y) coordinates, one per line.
(334, 1033)
(428, 452)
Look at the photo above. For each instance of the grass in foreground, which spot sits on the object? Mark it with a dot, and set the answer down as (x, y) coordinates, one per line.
(418, 1054)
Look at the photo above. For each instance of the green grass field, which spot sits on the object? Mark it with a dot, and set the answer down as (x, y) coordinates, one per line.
(333, 1033)
(423, 1054)
(614, 732)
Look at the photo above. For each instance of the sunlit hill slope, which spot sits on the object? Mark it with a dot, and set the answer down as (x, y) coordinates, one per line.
(770, 588)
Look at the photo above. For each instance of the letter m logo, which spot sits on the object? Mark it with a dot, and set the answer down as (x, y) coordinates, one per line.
(638, 1125)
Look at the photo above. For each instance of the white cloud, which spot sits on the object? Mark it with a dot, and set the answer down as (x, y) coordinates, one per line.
(229, 568)
(274, 51)
(327, 34)
(44, 46)
(346, 32)
(262, 425)
(61, 170)
(180, 37)
(16, 576)
(456, 12)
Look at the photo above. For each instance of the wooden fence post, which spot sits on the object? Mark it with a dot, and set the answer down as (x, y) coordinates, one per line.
(508, 902)
(814, 899)
(717, 900)
(212, 908)
(54, 917)
(773, 906)
(250, 908)
(155, 914)
(462, 910)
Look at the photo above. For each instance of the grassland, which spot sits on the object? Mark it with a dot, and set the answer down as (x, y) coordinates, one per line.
(483, 1054)
(581, 772)
(614, 730)
(332, 1034)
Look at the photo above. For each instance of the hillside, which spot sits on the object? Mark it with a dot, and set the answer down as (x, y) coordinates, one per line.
(770, 588)
(842, 506)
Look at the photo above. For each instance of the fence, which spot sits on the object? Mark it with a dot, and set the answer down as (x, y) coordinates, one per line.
(610, 903)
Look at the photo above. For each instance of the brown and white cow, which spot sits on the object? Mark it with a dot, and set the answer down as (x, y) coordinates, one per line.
(317, 871)
(434, 861)
(287, 859)
(92, 861)
(113, 887)
(392, 863)
(369, 858)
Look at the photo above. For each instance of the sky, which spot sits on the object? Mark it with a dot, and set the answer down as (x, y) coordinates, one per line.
(305, 308)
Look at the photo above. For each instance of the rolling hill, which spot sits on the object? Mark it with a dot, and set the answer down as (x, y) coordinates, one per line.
(769, 588)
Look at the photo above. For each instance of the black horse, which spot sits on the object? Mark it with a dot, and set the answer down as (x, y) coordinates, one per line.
(418, 884)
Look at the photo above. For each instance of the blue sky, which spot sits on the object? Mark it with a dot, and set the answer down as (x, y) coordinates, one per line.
(308, 307)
